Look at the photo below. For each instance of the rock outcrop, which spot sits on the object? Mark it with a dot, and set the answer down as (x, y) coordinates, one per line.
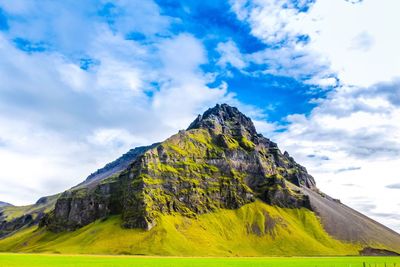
(8, 227)
(15, 218)
(220, 161)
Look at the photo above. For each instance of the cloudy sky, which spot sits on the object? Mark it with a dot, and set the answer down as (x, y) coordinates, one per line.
(82, 82)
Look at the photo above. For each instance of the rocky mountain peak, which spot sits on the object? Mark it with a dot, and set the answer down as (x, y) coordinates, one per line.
(225, 119)
(219, 162)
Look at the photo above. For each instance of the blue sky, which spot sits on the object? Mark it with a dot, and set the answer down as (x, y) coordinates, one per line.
(83, 82)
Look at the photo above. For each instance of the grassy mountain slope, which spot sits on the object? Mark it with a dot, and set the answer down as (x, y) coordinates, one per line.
(255, 229)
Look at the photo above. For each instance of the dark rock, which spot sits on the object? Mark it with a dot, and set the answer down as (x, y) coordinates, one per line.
(31, 215)
(80, 207)
(8, 227)
(226, 118)
(42, 201)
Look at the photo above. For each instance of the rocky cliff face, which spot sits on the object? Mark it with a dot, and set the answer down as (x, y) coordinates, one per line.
(8, 227)
(220, 161)
(14, 218)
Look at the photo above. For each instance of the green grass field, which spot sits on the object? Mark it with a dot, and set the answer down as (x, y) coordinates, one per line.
(37, 260)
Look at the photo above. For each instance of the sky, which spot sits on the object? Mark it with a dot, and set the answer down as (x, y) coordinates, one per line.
(82, 82)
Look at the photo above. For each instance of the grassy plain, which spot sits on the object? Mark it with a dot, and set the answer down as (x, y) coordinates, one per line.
(45, 260)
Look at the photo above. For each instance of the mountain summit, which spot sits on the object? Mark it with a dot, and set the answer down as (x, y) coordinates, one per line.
(219, 178)
(226, 119)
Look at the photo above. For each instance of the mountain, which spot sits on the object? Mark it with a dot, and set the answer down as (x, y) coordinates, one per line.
(4, 204)
(216, 188)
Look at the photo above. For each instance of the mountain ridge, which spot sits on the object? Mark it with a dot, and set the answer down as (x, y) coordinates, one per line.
(117, 165)
(4, 204)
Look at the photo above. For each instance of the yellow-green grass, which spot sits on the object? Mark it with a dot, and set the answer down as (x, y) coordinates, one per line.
(255, 229)
(35, 260)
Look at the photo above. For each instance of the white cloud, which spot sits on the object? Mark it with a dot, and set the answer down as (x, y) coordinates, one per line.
(271, 21)
(69, 26)
(295, 61)
(277, 23)
(115, 137)
(362, 45)
(181, 57)
(119, 77)
(230, 55)
(137, 16)
(363, 41)
(17, 6)
(356, 41)
(37, 162)
(265, 127)
(73, 76)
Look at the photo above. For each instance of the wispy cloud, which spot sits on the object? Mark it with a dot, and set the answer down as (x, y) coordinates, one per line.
(393, 186)
(357, 52)
(348, 169)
